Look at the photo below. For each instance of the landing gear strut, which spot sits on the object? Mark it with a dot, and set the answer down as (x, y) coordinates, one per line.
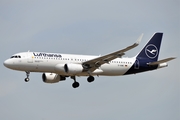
(27, 78)
(75, 84)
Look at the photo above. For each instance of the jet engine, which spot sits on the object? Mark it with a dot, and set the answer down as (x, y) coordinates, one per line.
(73, 68)
(69, 68)
(52, 78)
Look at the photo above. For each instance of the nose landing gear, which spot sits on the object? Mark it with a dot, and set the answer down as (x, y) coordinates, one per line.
(27, 78)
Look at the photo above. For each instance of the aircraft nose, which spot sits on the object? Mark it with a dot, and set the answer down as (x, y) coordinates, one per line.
(7, 63)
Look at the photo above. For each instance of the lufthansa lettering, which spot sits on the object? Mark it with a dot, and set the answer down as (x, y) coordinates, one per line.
(46, 55)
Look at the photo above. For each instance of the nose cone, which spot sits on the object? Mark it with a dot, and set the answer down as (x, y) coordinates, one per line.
(7, 63)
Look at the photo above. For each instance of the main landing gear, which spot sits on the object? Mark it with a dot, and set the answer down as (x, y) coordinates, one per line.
(76, 84)
(27, 78)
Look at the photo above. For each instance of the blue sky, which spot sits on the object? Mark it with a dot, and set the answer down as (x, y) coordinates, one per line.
(91, 27)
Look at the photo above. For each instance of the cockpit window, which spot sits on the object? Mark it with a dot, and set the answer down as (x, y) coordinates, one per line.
(16, 56)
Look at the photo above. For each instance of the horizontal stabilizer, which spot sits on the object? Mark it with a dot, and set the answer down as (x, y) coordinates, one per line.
(161, 61)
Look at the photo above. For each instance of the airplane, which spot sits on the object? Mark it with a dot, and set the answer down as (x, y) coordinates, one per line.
(57, 67)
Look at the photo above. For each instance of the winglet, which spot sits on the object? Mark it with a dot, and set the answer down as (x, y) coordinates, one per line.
(139, 39)
(135, 44)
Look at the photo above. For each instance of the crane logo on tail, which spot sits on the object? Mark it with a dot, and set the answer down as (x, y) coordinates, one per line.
(151, 51)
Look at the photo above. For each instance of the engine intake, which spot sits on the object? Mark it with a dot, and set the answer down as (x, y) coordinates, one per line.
(52, 78)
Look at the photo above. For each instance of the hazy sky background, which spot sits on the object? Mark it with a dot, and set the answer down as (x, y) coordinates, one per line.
(89, 27)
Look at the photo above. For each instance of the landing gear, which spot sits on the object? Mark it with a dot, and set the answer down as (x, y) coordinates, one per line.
(75, 84)
(27, 78)
(90, 79)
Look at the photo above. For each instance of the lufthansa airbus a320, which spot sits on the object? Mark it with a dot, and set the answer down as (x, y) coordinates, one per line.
(57, 67)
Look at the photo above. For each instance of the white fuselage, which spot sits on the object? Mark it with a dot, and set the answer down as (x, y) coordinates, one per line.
(47, 62)
(57, 67)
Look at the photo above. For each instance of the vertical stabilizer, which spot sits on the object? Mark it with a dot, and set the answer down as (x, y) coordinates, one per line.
(152, 48)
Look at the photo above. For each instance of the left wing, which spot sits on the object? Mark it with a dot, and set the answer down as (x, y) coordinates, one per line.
(93, 64)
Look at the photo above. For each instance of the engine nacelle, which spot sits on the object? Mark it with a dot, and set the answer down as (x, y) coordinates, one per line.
(73, 68)
(69, 68)
(52, 78)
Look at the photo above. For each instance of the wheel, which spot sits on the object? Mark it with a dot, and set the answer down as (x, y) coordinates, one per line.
(75, 85)
(90, 79)
(26, 79)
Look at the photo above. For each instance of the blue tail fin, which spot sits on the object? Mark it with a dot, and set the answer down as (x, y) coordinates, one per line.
(152, 48)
